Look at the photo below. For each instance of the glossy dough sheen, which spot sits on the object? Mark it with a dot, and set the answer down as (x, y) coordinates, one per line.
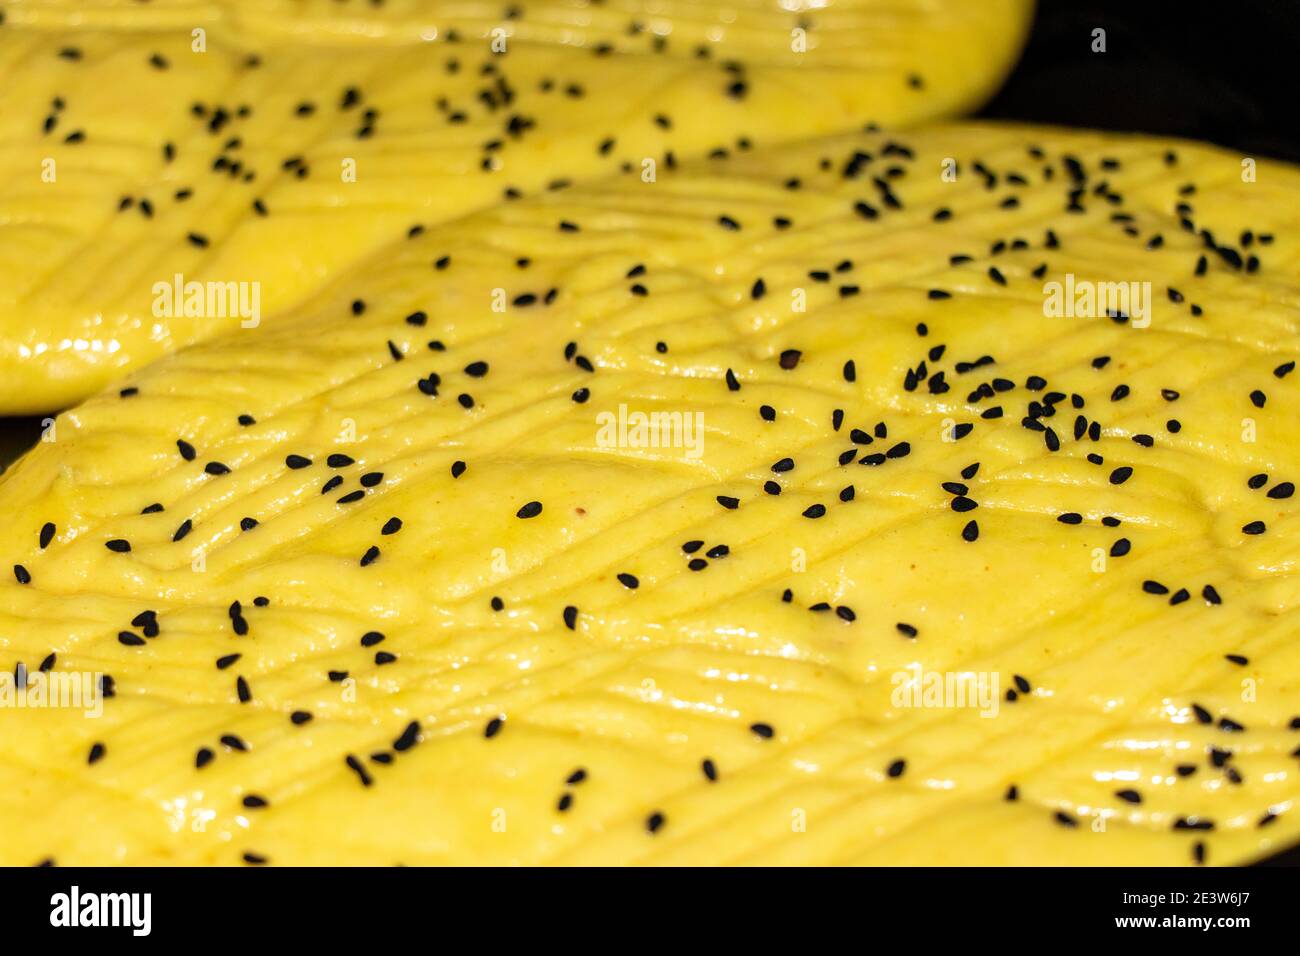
(83, 241)
(638, 687)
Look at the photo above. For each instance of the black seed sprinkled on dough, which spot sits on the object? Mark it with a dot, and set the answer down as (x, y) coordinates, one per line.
(530, 510)
(896, 768)
(493, 727)
(654, 823)
(297, 461)
(570, 616)
(1254, 527)
(22, 575)
(731, 504)
(356, 767)
(216, 468)
(628, 580)
(766, 731)
(118, 545)
(907, 630)
(47, 534)
(733, 383)
(186, 449)
(96, 754)
(1065, 820)
(203, 757)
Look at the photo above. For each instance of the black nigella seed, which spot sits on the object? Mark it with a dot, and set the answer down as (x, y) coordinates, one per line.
(766, 731)
(530, 510)
(297, 461)
(571, 617)
(118, 545)
(493, 727)
(896, 768)
(731, 504)
(47, 534)
(628, 580)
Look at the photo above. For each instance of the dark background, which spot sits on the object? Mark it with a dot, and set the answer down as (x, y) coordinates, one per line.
(1222, 72)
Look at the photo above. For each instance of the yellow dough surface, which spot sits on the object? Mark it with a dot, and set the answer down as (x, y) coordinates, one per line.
(496, 628)
(278, 143)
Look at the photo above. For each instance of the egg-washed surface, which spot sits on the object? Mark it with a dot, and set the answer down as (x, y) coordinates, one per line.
(390, 583)
(269, 145)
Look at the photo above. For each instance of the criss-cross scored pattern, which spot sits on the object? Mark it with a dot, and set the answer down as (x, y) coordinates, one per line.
(291, 140)
(489, 634)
